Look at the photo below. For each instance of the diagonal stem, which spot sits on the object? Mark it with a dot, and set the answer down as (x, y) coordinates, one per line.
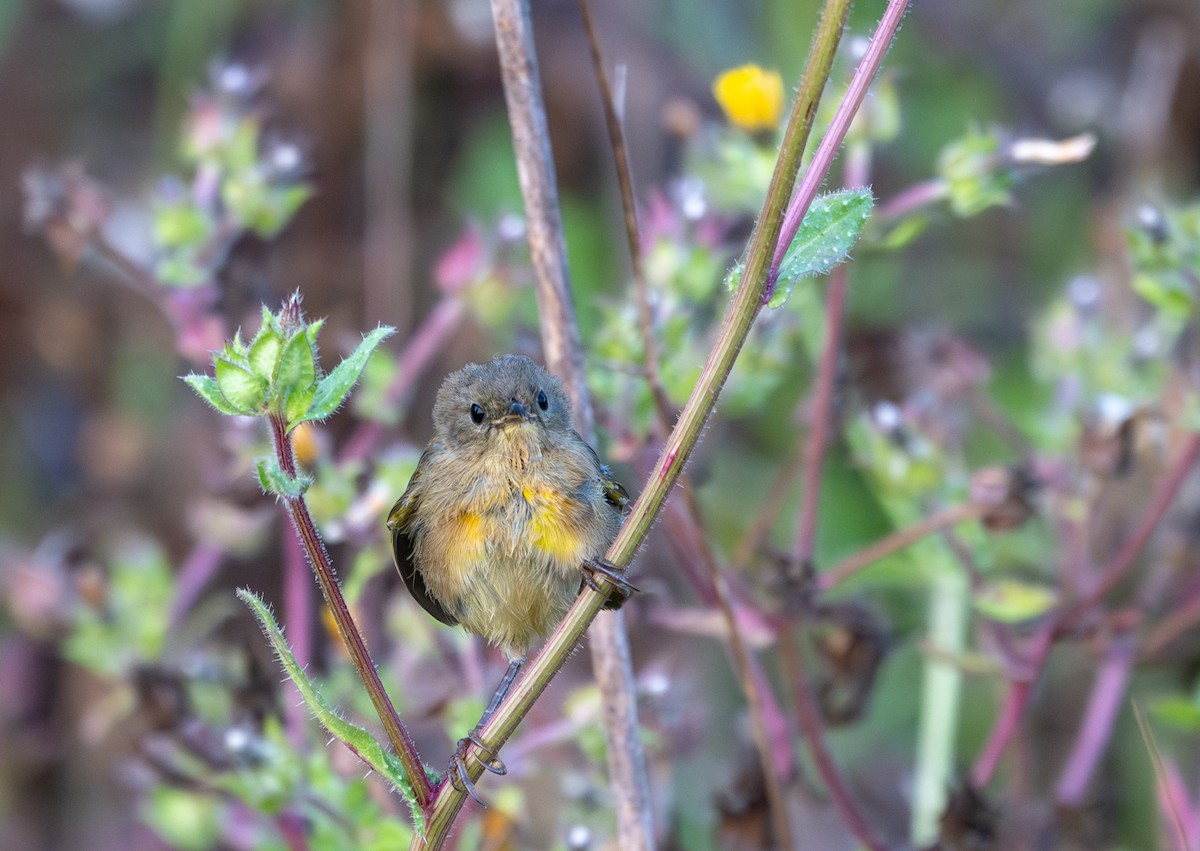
(322, 567)
(678, 448)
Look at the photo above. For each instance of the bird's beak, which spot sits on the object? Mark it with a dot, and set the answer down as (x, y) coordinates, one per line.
(517, 414)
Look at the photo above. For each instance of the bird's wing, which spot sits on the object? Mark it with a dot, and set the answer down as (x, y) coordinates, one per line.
(399, 523)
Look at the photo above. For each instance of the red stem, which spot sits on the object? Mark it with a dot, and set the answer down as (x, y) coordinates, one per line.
(818, 429)
(814, 738)
(1126, 557)
(1105, 701)
(322, 567)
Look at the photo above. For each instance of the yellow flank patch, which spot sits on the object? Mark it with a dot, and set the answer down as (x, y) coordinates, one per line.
(551, 526)
(470, 529)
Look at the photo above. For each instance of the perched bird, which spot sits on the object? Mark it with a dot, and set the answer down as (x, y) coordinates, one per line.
(508, 513)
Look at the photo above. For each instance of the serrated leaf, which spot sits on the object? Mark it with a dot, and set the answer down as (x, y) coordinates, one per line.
(206, 388)
(273, 479)
(333, 389)
(242, 389)
(1014, 601)
(830, 228)
(365, 746)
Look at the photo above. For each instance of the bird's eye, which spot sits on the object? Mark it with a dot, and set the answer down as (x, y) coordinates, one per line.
(476, 414)
(542, 401)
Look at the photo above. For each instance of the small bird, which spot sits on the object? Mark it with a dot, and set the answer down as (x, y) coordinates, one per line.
(507, 515)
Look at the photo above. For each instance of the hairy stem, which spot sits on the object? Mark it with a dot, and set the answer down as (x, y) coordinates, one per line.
(322, 567)
(678, 448)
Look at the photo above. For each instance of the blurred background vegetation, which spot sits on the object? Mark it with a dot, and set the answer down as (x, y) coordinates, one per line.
(187, 162)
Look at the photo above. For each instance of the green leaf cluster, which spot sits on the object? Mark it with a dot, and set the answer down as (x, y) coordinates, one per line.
(236, 184)
(277, 373)
(972, 170)
(1165, 250)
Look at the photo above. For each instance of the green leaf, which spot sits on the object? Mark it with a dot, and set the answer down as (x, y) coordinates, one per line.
(297, 366)
(1014, 601)
(179, 225)
(360, 742)
(265, 351)
(972, 170)
(1179, 712)
(298, 402)
(333, 389)
(274, 480)
(830, 228)
(242, 389)
(206, 388)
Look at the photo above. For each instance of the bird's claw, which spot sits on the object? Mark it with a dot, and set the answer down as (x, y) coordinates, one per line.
(619, 588)
(460, 779)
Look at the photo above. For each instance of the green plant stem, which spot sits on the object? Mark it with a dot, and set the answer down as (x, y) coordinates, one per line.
(322, 567)
(683, 439)
(940, 691)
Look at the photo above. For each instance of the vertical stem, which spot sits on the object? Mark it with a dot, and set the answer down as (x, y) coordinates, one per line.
(688, 428)
(535, 169)
(322, 567)
(744, 665)
(616, 137)
(941, 689)
(818, 429)
(612, 662)
(1019, 690)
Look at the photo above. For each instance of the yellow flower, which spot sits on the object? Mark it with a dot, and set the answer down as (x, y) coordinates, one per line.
(751, 97)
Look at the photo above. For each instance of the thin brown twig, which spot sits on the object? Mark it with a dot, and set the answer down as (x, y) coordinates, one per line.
(898, 540)
(616, 136)
(611, 658)
(743, 665)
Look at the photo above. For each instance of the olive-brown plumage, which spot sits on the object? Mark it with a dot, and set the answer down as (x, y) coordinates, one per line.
(506, 506)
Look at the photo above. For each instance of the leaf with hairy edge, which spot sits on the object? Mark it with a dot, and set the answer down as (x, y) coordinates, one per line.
(333, 389)
(243, 390)
(206, 388)
(272, 479)
(365, 746)
(830, 228)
